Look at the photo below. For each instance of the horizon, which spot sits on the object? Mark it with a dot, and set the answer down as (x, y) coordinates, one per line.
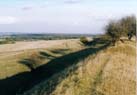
(62, 16)
(37, 33)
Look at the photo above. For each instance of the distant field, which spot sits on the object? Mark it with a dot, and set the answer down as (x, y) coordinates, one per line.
(35, 37)
(25, 45)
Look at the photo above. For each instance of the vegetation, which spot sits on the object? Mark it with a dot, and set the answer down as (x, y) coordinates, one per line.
(98, 74)
(6, 41)
(123, 27)
(18, 62)
(34, 37)
(33, 62)
(84, 40)
(113, 31)
(128, 25)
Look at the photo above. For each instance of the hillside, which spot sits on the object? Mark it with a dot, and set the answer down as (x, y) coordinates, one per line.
(15, 74)
(109, 71)
(11, 54)
(67, 67)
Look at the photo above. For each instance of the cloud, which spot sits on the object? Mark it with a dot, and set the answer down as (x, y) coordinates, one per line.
(27, 8)
(8, 20)
(72, 1)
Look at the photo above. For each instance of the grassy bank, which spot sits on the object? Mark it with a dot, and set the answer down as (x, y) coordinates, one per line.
(108, 72)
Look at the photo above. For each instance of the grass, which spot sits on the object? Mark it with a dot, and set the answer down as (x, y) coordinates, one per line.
(108, 72)
(17, 74)
(95, 70)
(10, 55)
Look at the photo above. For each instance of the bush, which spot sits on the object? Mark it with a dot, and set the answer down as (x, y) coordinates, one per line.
(84, 40)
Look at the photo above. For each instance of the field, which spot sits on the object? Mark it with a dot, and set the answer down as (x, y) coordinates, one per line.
(67, 67)
(11, 54)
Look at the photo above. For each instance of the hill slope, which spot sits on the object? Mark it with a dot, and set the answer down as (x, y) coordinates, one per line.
(11, 54)
(16, 76)
(108, 72)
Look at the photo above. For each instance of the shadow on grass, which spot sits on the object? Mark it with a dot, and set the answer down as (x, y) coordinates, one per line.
(45, 54)
(60, 51)
(25, 81)
(96, 41)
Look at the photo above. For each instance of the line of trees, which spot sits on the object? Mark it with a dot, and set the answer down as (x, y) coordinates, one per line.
(6, 41)
(121, 28)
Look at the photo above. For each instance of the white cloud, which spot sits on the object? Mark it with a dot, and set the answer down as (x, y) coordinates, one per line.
(27, 8)
(8, 20)
(72, 1)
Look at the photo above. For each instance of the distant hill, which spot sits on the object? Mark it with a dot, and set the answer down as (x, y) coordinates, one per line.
(41, 36)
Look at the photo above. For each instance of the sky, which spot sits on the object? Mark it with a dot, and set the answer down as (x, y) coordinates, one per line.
(62, 16)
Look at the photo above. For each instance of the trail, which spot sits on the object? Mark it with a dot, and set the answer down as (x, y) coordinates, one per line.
(98, 79)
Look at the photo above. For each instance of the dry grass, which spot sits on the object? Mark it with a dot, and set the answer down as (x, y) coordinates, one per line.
(22, 46)
(110, 72)
(11, 54)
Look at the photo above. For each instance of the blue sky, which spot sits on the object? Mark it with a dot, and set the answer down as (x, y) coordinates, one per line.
(62, 16)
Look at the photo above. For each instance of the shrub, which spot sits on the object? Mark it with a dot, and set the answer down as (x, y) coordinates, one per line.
(84, 40)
